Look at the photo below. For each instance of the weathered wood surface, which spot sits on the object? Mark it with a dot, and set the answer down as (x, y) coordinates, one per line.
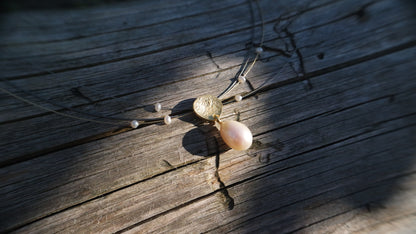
(335, 154)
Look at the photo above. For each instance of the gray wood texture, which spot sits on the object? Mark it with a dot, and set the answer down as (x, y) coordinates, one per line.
(334, 128)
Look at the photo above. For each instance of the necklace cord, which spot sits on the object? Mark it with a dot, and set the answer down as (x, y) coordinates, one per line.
(52, 110)
(244, 70)
(60, 105)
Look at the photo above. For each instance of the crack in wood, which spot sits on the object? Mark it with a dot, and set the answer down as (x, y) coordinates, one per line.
(229, 186)
(173, 47)
(379, 183)
(209, 54)
(77, 92)
(228, 201)
(128, 29)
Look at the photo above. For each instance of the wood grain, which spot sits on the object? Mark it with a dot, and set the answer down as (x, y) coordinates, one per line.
(334, 131)
(30, 142)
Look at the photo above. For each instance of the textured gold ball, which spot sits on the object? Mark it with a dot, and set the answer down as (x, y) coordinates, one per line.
(207, 107)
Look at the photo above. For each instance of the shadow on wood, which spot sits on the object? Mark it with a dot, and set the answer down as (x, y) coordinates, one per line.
(334, 126)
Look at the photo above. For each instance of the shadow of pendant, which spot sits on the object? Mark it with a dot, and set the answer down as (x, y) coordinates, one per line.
(204, 141)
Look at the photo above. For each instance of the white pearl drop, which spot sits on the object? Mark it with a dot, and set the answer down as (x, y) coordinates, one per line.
(236, 135)
(259, 50)
(134, 124)
(241, 79)
(158, 107)
(238, 98)
(167, 120)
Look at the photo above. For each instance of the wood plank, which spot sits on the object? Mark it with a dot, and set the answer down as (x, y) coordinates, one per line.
(29, 26)
(143, 65)
(92, 76)
(88, 214)
(209, 20)
(92, 170)
(135, 202)
(279, 202)
(357, 183)
(321, 155)
(394, 216)
(25, 143)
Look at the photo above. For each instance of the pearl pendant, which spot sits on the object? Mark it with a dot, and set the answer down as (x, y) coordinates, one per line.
(236, 135)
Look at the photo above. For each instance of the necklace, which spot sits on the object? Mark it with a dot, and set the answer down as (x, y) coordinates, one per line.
(208, 107)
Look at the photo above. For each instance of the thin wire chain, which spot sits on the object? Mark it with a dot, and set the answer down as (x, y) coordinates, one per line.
(261, 86)
(244, 71)
(60, 105)
(261, 40)
(254, 61)
(52, 110)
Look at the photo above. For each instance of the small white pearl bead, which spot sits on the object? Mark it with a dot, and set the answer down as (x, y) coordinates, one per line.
(158, 107)
(134, 124)
(241, 79)
(167, 120)
(238, 98)
(259, 50)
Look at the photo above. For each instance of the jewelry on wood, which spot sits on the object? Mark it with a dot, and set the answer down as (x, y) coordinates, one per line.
(236, 135)
(158, 107)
